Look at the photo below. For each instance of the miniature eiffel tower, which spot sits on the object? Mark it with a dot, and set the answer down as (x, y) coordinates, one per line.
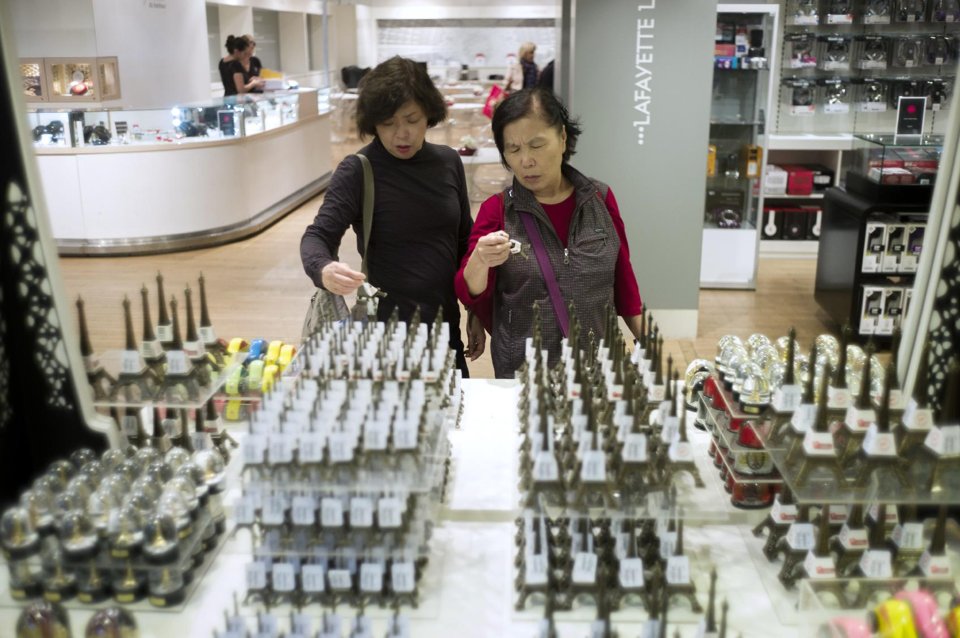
(795, 427)
(906, 558)
(193, 346)
(688, 589)
(838, 394)
(792, 545)
(100, 381)
(869, 584)
(849, 437)
(945, 460)
(679, 453)
(180, 382)
(150, 346)
(784, 398)
(850, 543)
(164, 325)
(879, 452)
(816, 449)
(917, 419)
(777, 523)
(207, 336)
(935, 563)
(528, 587)
(819, 565)
(134, 373)
(592, 476)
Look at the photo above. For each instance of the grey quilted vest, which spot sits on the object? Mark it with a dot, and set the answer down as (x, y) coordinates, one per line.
(584, 269)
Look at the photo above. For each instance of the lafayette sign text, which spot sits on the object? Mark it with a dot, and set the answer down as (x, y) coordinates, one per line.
(643, 70)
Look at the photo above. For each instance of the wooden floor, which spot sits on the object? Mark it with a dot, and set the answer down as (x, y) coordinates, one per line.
(256, 288)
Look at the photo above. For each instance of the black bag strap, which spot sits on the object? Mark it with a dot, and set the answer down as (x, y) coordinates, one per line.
(367, 207)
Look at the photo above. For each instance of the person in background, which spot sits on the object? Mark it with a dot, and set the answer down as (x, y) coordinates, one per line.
(235, 47)
(246, 68)
(581, 229)
(421, 217)
(523, 74)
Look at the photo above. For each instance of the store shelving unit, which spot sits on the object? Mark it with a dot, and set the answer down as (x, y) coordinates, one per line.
(741, 103)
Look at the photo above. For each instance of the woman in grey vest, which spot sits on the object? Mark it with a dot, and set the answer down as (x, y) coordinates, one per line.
(579, 228)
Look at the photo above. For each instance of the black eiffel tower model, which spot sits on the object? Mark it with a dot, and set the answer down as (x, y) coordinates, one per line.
(150, 346)
(777, 522)
(878, 454)
(100, 381)
(194, 347)
(688, 589)
(821, 454)
(180, 383)
(679, 453)
(854, 424)
(848, 546)
(946, 463)
(915, 423)
(136, 380)
(790, 429)
(208, 337)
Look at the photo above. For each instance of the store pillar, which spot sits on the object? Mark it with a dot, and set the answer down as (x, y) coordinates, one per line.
(640, 82)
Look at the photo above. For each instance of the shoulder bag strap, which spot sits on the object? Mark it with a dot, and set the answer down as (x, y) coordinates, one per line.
(549, 278)
(367, 207)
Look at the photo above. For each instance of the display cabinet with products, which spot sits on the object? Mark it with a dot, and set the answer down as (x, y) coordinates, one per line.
(740, 104)
(82, 79)
(34, 79)
(873, 232)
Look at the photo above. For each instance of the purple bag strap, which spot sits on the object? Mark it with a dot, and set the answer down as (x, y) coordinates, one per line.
(549, 278)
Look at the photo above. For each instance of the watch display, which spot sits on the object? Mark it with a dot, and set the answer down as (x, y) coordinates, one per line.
(907, 52)
(800, 47)
(834, 53)
(939, 50)
(803, 12)
(871, 96)
(910, 10)
(946, 11)
(873, 53)
(877, 11)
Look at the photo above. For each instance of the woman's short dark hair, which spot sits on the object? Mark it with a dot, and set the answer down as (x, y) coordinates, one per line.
(389, 86)
(543, 103)
(237, 43)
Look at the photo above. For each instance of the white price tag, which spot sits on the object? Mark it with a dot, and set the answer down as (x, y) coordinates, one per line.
(244, 510)
(944, 440)
(371, 578)
(130, 426)
(614, 392)
(256, 576)
(585, 568)
(165, 333)
(341, 447)
(594, 467)
(268, 625)
(177, 362)
(783, 514)
(678, 570)
(935, 566)
(405, 435)
(818, 444)
(402, 577)
(301, 624)
(680, 452)
(389, 513)
(331, 512)
(787, 398)
(668, 542)
(877, 443)
(535, 569)
(839, 18)
(339, 579)
(806, 20)
(916, 418)
(283, 577)
(859, 420)
(311, 448)
(361, 512)
(545, 468)
(303, 510)
(207, 335)
(312, 578)
(800, 536)
(635, 448)
(254, 446)
(803, 417)
(818, 567)
(908, 536)
(151, 350)
(655, 393)
(130, 362)
(280, 449)
(670, 431)
(631, 573)
(375, 434)
(876, 563)
(838, 398)
(273, 510)
(872, 107)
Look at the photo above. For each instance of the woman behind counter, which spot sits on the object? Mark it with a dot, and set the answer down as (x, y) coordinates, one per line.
(581, 229)
(246, 67)
(421, 217)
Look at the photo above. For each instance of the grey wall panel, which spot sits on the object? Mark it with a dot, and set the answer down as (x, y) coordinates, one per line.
(660, 182)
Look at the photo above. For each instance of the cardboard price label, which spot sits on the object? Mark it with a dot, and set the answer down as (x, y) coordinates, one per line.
(838, 398)
(361, 512)
(273, 510)
(803, 418)
(935, 566)
(341, 447)
(635, 448)
(331, 512)
(389, 512)
(594, 467)
(339, 579)
(585, 568)
(944, 440)
(254, 446)
(787, 398)
(876, 563)
(877, 443)
(312, 578)
(859, 420)
(782, 514)
(280, 449)
(244, 510)
(678, 570)
(631, 573)
(375, 434)
(535, 569)
(405, 436)
(177, 362)
(818, 567)
(545, 468)
(283, 578)
(303, 510)
(818, 444)
(680, 452)
(256, 576)
(916, 418)
(371, 578)
(801, 537)
(131, 363)
(908, 536)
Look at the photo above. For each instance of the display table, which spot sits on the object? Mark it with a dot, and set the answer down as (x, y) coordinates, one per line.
(467, 587)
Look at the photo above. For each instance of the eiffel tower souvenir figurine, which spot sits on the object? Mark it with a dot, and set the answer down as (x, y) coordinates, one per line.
(150, 346)
(180, 382)
(777, 523)
(100, 381)
(917, 418)
(194, 347)
(816, 450)
(787, 397)
(853, 428)
(801, 419)
(678, 577)
(708, 626)
(136, 379)
(878, 453)
(164, 325)
(819, 565)
(838, 394)
(943, 441)
(207, 335)
(679, 453)
(935, 563)
(848, 545)
(875, 566)
(906, 541)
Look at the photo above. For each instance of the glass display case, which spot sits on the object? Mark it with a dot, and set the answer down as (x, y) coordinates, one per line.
(82, 79)
(33, 79)
(896, 159)
(220, 118)
(735, 160)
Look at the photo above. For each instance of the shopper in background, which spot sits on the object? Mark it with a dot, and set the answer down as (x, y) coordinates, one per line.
(523, 74)
(421, 217)
(246, 67)
(235, 47)
(580, 226)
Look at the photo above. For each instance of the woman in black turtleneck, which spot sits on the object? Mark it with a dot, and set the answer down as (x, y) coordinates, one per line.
(421, 217)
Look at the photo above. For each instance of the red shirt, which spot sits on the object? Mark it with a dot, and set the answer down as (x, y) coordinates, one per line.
(626, 293)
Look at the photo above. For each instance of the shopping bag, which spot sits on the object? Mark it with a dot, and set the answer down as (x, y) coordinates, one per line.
(496, 95)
